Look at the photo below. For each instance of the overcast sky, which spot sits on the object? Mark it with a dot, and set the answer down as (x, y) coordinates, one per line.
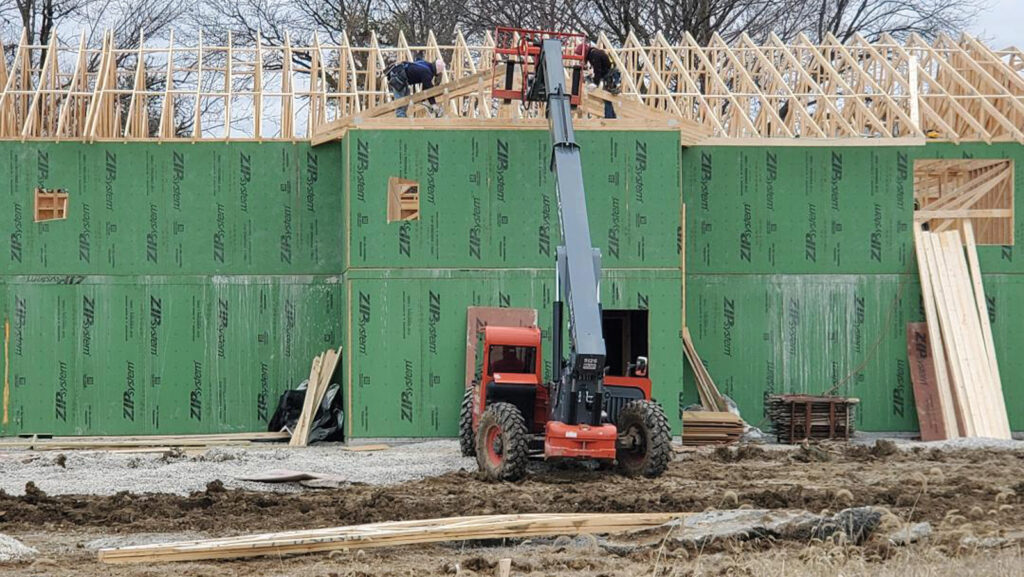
(1003, 24)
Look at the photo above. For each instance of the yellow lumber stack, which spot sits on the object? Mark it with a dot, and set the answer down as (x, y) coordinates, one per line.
(967, 375)
(711, 428)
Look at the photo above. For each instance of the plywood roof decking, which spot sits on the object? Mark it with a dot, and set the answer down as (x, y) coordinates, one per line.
(952, 89)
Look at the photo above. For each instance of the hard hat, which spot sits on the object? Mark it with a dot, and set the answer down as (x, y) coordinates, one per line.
(439, 66)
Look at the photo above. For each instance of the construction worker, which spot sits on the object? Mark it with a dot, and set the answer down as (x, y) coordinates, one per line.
(403, 75)
(605, 74)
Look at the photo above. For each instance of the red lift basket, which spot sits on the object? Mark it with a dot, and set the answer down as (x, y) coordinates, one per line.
(519, 48)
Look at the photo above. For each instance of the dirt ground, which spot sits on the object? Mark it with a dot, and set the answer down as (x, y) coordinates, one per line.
(973, 499)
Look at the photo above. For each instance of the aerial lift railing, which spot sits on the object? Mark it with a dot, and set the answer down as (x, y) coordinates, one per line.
(519, 50)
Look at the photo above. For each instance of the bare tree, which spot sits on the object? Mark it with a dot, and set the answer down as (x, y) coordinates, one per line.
(787, 18)
(39, 19)
(535, 14)
(871, 18)
(674, 18)
(416, 18)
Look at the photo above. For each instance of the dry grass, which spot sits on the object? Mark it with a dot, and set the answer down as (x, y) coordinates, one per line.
(821, 561)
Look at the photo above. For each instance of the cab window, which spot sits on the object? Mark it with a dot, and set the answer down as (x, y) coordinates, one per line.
(511, 359)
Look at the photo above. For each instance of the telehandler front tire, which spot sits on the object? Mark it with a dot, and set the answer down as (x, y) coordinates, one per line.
(501, 443)
(649, 449)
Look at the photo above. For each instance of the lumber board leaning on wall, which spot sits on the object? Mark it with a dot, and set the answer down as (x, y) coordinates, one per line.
(957, 317)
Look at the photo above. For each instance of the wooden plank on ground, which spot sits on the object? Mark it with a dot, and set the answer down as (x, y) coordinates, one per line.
(366, 448)
(280, 476)
(391, 534)
(151, 441)
(922, 376)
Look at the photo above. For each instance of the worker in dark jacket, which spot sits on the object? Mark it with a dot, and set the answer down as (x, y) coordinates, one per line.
(604, 72)
(403, 75)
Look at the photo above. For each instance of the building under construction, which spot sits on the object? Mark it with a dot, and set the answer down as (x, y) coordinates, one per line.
(189, 225)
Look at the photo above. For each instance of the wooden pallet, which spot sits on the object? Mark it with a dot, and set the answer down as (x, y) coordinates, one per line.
(795, 418)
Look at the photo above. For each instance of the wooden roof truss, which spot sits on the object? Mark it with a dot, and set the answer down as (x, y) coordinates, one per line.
(950, 191)
(949, 89)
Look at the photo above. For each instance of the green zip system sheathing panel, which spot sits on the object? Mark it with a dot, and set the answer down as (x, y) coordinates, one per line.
(150, 355)
(487, 198)
(229, 257)
(806, 210)
(189, 285)
(800, 265)
(405, 370)
(174, 208)
(811, 332)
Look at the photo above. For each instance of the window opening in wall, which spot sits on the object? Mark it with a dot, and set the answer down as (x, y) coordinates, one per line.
(403, 199)
(50, 204)
(947, 192)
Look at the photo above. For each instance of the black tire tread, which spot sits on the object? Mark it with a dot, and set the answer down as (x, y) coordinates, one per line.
(467, 440)
(513, 426)
(659, 451)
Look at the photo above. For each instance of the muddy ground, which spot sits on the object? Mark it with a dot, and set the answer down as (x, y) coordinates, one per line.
(967, 496)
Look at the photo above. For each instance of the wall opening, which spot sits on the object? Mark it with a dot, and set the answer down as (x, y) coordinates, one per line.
(625, 339)
(403, 199)
(948, 191)
(50, 204)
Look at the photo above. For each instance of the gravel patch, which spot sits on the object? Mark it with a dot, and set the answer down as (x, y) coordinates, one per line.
(12, 551)
(177, 472)
(908, 441)
(107, 473)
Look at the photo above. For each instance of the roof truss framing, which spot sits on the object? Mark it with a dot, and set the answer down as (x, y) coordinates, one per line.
(950, 89)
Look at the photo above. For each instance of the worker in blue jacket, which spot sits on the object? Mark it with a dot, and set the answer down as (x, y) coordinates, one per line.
(403, 75)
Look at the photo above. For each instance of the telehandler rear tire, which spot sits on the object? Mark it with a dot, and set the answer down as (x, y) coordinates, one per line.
(467, 442)
(649, 451)
(501, 443)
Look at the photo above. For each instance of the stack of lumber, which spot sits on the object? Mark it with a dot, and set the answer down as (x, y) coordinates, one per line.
(965, 397)
(710, 398)
(711, 428)
(795, 418)
(320, 374)
(390, 534)
(147, 441)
